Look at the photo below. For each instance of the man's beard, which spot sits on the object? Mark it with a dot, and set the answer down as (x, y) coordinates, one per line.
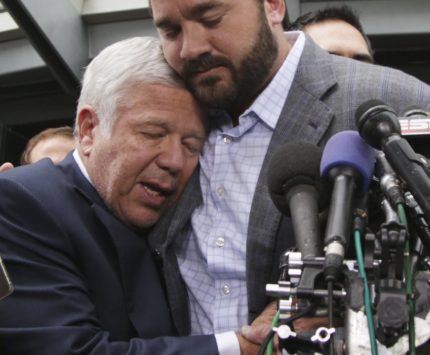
(246, 81)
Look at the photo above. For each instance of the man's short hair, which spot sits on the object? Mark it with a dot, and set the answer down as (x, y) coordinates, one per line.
(65, 131)
(116, 69)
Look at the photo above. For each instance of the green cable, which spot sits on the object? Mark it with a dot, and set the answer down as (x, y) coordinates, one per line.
(408, 276)
(367, 301)
(274, 324)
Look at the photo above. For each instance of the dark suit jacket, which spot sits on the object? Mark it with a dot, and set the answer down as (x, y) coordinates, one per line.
(84, 282)
(323, 98)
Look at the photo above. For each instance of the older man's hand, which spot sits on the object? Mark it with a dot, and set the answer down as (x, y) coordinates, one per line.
(253, 335)
(258, 330)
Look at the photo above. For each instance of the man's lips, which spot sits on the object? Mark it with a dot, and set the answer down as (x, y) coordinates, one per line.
(152, 192)
(155, 195)
(205, 71)
(211, 71)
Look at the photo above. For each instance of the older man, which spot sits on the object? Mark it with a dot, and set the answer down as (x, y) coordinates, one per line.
(73, 235)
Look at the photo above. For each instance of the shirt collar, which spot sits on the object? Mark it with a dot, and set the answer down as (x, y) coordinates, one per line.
(269, 103)
(81, 165)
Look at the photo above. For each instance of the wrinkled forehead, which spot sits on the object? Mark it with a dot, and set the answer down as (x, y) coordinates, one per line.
(163, 103)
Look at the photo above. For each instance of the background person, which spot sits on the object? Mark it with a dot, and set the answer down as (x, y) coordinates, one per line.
(53, 143)
(337, 30)
(265, 88)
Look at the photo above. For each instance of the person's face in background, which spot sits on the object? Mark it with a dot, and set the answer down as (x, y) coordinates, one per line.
(142, 167)
(224, 49)
(54, 147)
(340, 38)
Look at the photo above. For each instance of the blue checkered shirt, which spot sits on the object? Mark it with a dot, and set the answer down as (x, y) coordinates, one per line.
(213, 257)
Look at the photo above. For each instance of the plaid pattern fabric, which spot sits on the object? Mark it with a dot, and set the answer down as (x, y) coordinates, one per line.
(212, 258)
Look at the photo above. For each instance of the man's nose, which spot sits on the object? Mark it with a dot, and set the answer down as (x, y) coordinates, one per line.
(172, 157)
(194, 43)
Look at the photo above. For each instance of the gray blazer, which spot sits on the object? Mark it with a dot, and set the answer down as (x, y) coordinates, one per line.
(324, 96)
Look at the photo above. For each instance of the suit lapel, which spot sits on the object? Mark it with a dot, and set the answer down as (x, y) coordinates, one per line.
(305, 117)
(143, 293)
(190, 200)
(163, 237)
(163, 234)
(145, 299)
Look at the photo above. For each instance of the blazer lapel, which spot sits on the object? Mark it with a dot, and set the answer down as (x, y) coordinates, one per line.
(162, 238)
(145, 299)
(141, 280)
(305, 117)
(163, 234)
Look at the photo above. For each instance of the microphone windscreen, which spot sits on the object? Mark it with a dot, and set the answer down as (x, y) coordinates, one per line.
(414, 111)
(376, 121)
(295, 163)
(369, 105)
(347, 148)
(415, 128)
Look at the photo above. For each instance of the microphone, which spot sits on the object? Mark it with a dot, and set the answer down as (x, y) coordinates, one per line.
(297, 191)
(379, 126)
(348, 162)
(388, 181)
(414, 121)
(414, 111)
(415, 128)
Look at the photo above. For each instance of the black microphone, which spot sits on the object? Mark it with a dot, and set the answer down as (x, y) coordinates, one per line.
(348, 162)
(414, 111)
(379, 126)
(297, 191)
(388, 181)
(415, 128)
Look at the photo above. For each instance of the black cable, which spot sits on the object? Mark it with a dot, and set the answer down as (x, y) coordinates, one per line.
(330, 313)
(271, 334)
(266, 341)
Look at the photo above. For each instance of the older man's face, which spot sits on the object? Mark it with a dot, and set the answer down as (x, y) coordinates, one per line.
(143, 167)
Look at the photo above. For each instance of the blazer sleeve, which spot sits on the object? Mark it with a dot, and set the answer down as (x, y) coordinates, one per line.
(50, 311)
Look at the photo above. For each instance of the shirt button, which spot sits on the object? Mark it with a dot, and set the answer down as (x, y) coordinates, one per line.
(227, 140)
(220, 242)
(220, 191)
(226, 289)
